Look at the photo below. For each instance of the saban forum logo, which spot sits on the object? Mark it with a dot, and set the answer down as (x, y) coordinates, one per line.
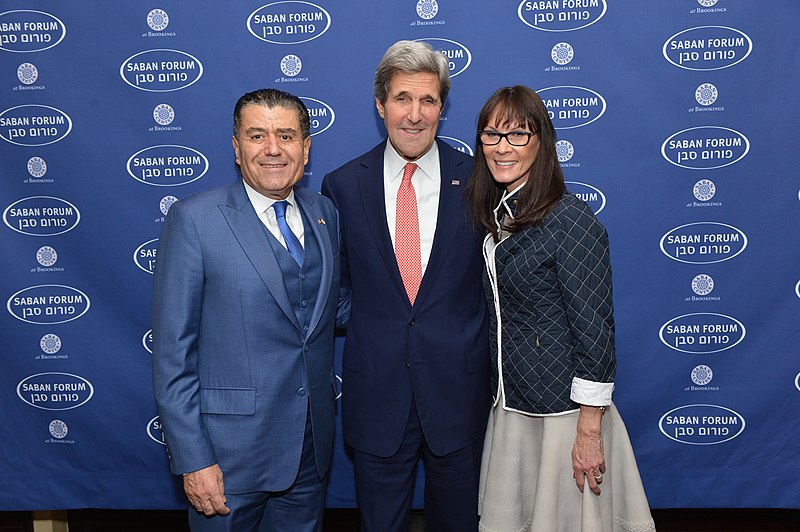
(26, 31)
(560, 15)
(163, 114)
(161, 70)
(427, 9)
(27, 73)
(41, 216)
(321, 114)
(701, 424)
(705, 147)
(167, 165)
(571, 106)
(158, 20)
(703, 243)
(702, 333)
(34, 125)
(590, 195)
(707, 48)
(48, 304)
(458, 56)
(288, 22)
(291, 65)
(155, 432)
(702, 375)
(145, 256)
(55, 391)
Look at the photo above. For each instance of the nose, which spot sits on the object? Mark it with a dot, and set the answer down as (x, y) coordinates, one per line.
(415, 112)
(272, 146)
(503, 146)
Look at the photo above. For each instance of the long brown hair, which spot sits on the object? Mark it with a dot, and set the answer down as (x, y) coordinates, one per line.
(517, 105)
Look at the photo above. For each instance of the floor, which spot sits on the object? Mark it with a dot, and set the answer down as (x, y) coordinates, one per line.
(346, 520)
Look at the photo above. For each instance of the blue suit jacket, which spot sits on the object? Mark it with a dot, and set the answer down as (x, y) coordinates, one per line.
(233, 371)
(438, 348)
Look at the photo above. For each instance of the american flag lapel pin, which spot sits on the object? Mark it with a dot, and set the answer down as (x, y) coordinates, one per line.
(321, 221)
(455, 182)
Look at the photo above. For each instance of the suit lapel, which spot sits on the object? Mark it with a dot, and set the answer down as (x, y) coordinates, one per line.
(449, 218)
(309, 205)
(249, 232)
(370, 183)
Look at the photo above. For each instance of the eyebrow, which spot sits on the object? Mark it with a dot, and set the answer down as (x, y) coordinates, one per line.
(424, 96)
(251, 130)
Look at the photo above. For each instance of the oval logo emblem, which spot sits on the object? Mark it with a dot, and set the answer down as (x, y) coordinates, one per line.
(25, 31)
(147, 341)
(167, 165)
(48, 304)
(567, 15)
(707, 48)
(458, 56)
(797, 382)
(55, 391)
(703, 243)
(321, 114)
(145, 256)
(288, 22)
(797, 289)
(592, 196)
(161, 70)
(41, 216)
(34, 125)
(154, 430)
(570, 106)
(701, 424)
(458, 144)
(705, 147)
(702, 333)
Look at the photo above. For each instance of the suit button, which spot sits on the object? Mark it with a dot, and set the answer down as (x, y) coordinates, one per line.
(301, 392)
(305, 348)
(305, 327)
(408, 363)
(302, 276)
(304, 304)
(412, 322)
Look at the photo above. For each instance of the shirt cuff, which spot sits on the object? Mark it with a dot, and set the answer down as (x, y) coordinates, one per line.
(591, 393)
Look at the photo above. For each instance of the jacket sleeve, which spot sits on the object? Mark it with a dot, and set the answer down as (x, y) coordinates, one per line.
(584, 273)
(177, 301)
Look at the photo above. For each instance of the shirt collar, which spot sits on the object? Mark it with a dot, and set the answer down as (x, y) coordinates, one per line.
(507, 205)
(261, 203)
(395, 164)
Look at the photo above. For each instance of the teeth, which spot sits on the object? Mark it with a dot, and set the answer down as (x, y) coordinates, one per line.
(504, 163)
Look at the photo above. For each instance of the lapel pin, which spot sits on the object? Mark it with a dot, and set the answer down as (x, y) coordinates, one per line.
(321, 221)
(455, 182)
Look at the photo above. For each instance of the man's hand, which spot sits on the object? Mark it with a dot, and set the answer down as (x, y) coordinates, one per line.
(206, 491)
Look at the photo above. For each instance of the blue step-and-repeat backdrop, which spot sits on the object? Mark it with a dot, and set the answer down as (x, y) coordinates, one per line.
(677, 121)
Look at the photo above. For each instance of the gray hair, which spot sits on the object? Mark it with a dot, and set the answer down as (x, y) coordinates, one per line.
(411, 57)
(272, 98)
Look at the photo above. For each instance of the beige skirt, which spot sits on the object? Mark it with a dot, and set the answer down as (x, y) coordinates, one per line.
(527, 485)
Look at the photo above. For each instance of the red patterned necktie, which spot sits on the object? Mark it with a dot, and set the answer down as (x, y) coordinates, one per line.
(406, 239)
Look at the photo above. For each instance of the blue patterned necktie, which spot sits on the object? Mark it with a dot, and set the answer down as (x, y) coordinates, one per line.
(292, 243)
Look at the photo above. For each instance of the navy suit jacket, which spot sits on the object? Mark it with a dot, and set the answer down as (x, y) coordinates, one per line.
(437, 349)
(234, 373)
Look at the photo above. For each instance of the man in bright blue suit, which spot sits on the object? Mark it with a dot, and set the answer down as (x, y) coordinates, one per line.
(245, 298)
(415, 369)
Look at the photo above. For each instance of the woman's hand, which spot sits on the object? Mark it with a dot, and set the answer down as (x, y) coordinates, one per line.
(588, 457)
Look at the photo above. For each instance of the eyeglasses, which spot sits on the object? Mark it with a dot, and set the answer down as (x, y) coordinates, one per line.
(515, 138)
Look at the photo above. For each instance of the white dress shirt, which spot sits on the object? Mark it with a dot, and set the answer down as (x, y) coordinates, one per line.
(265, 212)
(426, 180)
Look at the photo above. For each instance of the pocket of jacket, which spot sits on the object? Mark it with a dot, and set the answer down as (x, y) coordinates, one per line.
(234, 401)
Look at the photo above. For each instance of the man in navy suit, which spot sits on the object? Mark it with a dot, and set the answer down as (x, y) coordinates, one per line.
(415, 368)
(244, 304)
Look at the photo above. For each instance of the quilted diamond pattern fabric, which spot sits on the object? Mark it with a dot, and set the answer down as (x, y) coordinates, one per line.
(553, 307)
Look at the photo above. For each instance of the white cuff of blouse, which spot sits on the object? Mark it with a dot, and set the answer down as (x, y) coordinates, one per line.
(591, 393)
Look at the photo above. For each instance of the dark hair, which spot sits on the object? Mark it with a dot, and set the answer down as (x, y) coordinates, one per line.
(517, 105)
(272, 98)
(411, 57)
